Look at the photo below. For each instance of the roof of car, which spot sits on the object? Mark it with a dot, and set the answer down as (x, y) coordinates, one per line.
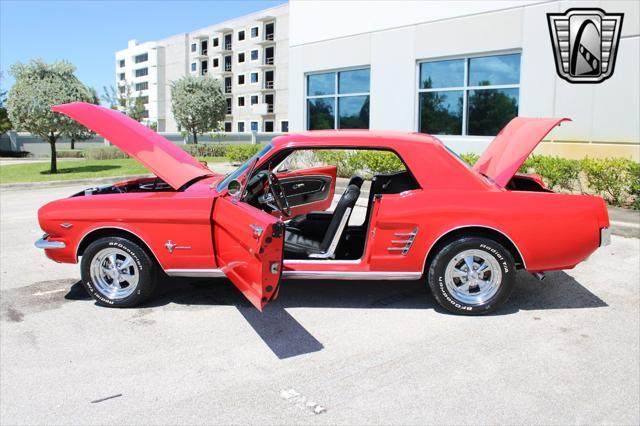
(369, 138)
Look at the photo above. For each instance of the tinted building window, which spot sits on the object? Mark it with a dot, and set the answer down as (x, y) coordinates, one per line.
(142, 58)
(474, 96)
(338, 100)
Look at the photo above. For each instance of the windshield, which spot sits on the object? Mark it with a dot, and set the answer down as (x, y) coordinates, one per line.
(240, 170)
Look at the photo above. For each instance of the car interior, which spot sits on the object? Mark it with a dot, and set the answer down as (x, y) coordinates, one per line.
(338, 233)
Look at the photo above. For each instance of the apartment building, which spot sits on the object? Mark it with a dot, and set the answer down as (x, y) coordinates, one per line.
(459, 70)
(249, 55)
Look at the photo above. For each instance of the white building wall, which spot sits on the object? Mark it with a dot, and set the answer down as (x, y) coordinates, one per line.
(392, 37)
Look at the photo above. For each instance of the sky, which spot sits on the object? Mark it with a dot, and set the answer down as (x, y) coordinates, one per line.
(89, 32)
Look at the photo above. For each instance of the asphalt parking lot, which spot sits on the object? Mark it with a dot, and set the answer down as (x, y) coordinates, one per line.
(561, 351)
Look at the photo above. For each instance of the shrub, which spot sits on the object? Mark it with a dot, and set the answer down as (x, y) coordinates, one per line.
(617, 180)
(634, 187)
(376, 161)
(240, 153)
(106, 153)
(556, 172)
(470, 158)
(70, 153)
(15, 154)
(611, 177)
(206, 149)
(338, 158)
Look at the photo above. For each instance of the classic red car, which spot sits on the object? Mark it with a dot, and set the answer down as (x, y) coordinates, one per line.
(464, 230)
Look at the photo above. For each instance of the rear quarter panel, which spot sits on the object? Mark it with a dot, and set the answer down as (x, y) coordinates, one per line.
(551, 231)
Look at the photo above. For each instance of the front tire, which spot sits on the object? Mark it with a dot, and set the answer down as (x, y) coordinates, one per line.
(472, 276)
(117, 272)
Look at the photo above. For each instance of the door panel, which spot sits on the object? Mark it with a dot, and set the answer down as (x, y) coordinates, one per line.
(248, 247)
(309, 189)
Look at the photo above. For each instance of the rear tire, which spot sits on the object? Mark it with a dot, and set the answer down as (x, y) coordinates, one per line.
(117, 272)
(472, 276)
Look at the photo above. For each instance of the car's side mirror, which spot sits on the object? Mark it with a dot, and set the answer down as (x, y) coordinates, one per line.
(234, 188)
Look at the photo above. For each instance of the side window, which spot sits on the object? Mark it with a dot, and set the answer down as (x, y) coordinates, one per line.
(350, 162)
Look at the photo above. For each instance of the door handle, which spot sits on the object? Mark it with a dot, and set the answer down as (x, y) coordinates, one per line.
(257, 230)
(297, 185)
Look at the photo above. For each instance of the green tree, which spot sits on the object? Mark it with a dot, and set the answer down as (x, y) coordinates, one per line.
(37, 87)
(77, 132)
(110, 96)
(198, 104)
(126, 101)
(5, 123)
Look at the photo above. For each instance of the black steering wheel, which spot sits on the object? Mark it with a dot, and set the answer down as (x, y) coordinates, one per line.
(279, 197)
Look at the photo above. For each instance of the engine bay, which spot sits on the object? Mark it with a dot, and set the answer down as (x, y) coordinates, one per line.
(132, 186)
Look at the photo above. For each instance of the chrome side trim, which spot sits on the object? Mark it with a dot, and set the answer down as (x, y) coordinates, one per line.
(122, 229)
(605, 237)
(524, 264)
(336, 238)
(344, 275)
(321, 262)
(201, 273)
(45, 244)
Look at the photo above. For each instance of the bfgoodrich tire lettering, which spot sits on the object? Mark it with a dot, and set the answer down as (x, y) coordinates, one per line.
(472, 276)
(117, 272)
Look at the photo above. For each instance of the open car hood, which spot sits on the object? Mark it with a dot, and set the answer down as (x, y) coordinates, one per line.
(167, 161)
(511, 147)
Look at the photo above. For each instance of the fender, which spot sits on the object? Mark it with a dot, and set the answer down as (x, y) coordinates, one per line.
(122, 228)
(448, 231)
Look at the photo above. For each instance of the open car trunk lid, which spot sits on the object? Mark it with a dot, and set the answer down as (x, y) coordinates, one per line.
(511, 147)
(167, 161)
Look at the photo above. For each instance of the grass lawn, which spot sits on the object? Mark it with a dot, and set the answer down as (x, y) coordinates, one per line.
(78, 169)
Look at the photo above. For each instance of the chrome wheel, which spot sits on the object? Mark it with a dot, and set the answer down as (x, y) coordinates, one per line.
(114, 273)
(473, 277)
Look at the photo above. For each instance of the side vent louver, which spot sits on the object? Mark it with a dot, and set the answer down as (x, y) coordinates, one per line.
(403, 241)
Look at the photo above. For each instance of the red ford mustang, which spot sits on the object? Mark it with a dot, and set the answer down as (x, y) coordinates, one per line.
(465, 231)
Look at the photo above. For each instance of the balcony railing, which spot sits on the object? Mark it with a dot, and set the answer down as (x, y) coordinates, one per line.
(269, 61)
(268, 84)
(228, 110)
(203, 72)
(227, 67)
(269, 36)
(227, 89)
(269, 107)
(204, 52)
(227, 46)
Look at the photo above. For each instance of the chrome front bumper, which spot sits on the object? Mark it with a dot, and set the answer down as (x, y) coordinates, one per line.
(605, 237)
(43, 243)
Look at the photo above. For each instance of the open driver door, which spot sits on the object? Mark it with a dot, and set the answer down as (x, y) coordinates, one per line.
(248, 246)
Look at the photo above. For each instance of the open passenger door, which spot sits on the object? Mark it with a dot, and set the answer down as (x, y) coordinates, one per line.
(248, 246)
